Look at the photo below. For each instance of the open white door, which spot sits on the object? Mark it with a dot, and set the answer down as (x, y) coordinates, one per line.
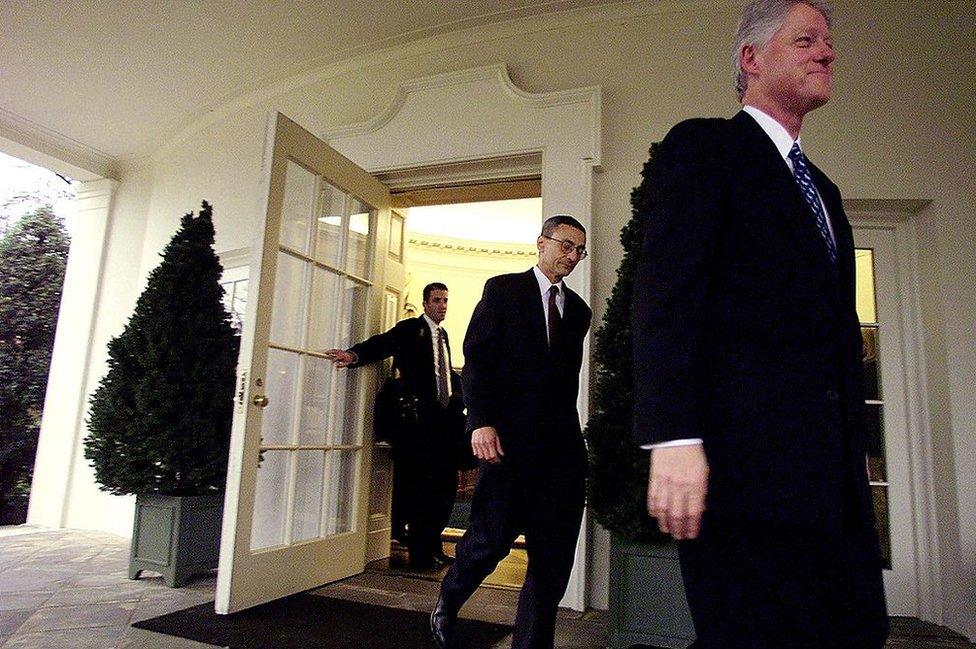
(889, 454)
(295, 513)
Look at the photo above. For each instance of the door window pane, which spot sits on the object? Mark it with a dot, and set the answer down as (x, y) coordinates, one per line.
(879, 494)
(309, 474)
(328, 226)
(235, 302)
(340, 491)
(281, 382)
(359, 253)
(355, 298)
(323, 316)
(270, 501)
(867, 310)
(298, 207)
(343, 428)
(316, 389)
(290, 287)
(872, 366)
(876, 442)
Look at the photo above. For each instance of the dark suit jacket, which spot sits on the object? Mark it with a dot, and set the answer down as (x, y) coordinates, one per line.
(745, 333)
(409, 342)
(511, 379)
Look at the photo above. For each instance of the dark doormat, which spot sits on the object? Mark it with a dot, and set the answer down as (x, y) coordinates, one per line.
(305, 621)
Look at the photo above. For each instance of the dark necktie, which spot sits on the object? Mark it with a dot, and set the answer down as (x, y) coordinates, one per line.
(443, 395)
(553, 317)
(802, 174)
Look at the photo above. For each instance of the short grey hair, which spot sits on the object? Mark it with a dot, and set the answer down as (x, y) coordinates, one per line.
(760, 20)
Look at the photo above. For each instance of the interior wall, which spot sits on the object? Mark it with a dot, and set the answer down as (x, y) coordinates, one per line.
(899, 127)
(464, 273)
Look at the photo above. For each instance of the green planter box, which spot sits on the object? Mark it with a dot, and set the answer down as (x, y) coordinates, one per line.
(177, 536)
(647, 597)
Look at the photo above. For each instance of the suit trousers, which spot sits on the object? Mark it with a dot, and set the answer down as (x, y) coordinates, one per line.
(426, 477)
(542, 499)
(757, 586)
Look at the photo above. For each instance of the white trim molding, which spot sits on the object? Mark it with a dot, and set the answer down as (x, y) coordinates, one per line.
(479, 116)
(42, 146)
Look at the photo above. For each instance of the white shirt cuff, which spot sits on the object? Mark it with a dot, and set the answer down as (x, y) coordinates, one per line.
(673, 442)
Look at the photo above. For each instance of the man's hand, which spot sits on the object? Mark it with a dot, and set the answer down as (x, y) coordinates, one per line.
(676, 489)
(486, 444)
(340, 357)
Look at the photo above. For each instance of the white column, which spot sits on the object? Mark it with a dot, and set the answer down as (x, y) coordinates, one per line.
(63, 422)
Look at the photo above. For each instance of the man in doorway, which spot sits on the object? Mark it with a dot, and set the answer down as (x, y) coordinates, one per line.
(747, 361)
(424, 454)
(523, 351)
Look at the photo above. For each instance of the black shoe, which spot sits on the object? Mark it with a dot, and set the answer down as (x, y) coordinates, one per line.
(425, 562)
(440, 560)
(398, 562)
(442, 623)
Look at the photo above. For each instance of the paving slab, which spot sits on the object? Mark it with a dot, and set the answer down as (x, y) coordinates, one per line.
(70, 589)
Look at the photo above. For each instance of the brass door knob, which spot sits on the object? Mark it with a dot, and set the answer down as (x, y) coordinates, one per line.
(260, 401)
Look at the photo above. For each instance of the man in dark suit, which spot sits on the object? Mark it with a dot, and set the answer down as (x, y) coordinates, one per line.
(523, 351)
(423, 454)
(748, 385)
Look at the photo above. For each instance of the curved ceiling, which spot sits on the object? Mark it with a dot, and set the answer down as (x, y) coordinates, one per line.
(121, 78)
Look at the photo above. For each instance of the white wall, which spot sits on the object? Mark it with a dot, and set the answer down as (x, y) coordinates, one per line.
(899, 127)
(464, 273)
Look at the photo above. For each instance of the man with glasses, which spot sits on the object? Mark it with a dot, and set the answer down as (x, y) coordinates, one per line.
(523, 351)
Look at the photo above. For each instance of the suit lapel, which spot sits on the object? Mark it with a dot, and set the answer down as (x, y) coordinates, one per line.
(537, 339)
(425, 346)
(843, 236)
(447, 346)
(572, 310)
(778, 182)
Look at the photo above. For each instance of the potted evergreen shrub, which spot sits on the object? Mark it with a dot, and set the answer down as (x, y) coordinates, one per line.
(159, 422)
(647, 598)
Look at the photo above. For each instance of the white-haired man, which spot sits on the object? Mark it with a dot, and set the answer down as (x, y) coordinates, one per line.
(748, 383)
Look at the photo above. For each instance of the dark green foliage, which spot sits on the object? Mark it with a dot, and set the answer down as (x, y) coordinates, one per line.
(160, 419)
(33, 256)
(617, 487)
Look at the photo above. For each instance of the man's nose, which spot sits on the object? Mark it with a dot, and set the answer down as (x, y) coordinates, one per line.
(825, 53)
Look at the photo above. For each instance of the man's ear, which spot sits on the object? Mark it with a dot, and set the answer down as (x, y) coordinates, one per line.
(541, 241)
(748, 55)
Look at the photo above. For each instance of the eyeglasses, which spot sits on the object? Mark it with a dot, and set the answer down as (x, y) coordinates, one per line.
(568, 246)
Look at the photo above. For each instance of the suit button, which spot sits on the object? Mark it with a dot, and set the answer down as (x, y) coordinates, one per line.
(832, 395)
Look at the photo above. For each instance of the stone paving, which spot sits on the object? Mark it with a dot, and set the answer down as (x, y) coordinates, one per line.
(70, 589)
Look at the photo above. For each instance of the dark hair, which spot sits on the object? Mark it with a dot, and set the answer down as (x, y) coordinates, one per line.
(549, 225)
(433, 286)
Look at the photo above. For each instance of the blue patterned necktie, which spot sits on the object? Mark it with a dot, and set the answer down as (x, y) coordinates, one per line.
(802, 174)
